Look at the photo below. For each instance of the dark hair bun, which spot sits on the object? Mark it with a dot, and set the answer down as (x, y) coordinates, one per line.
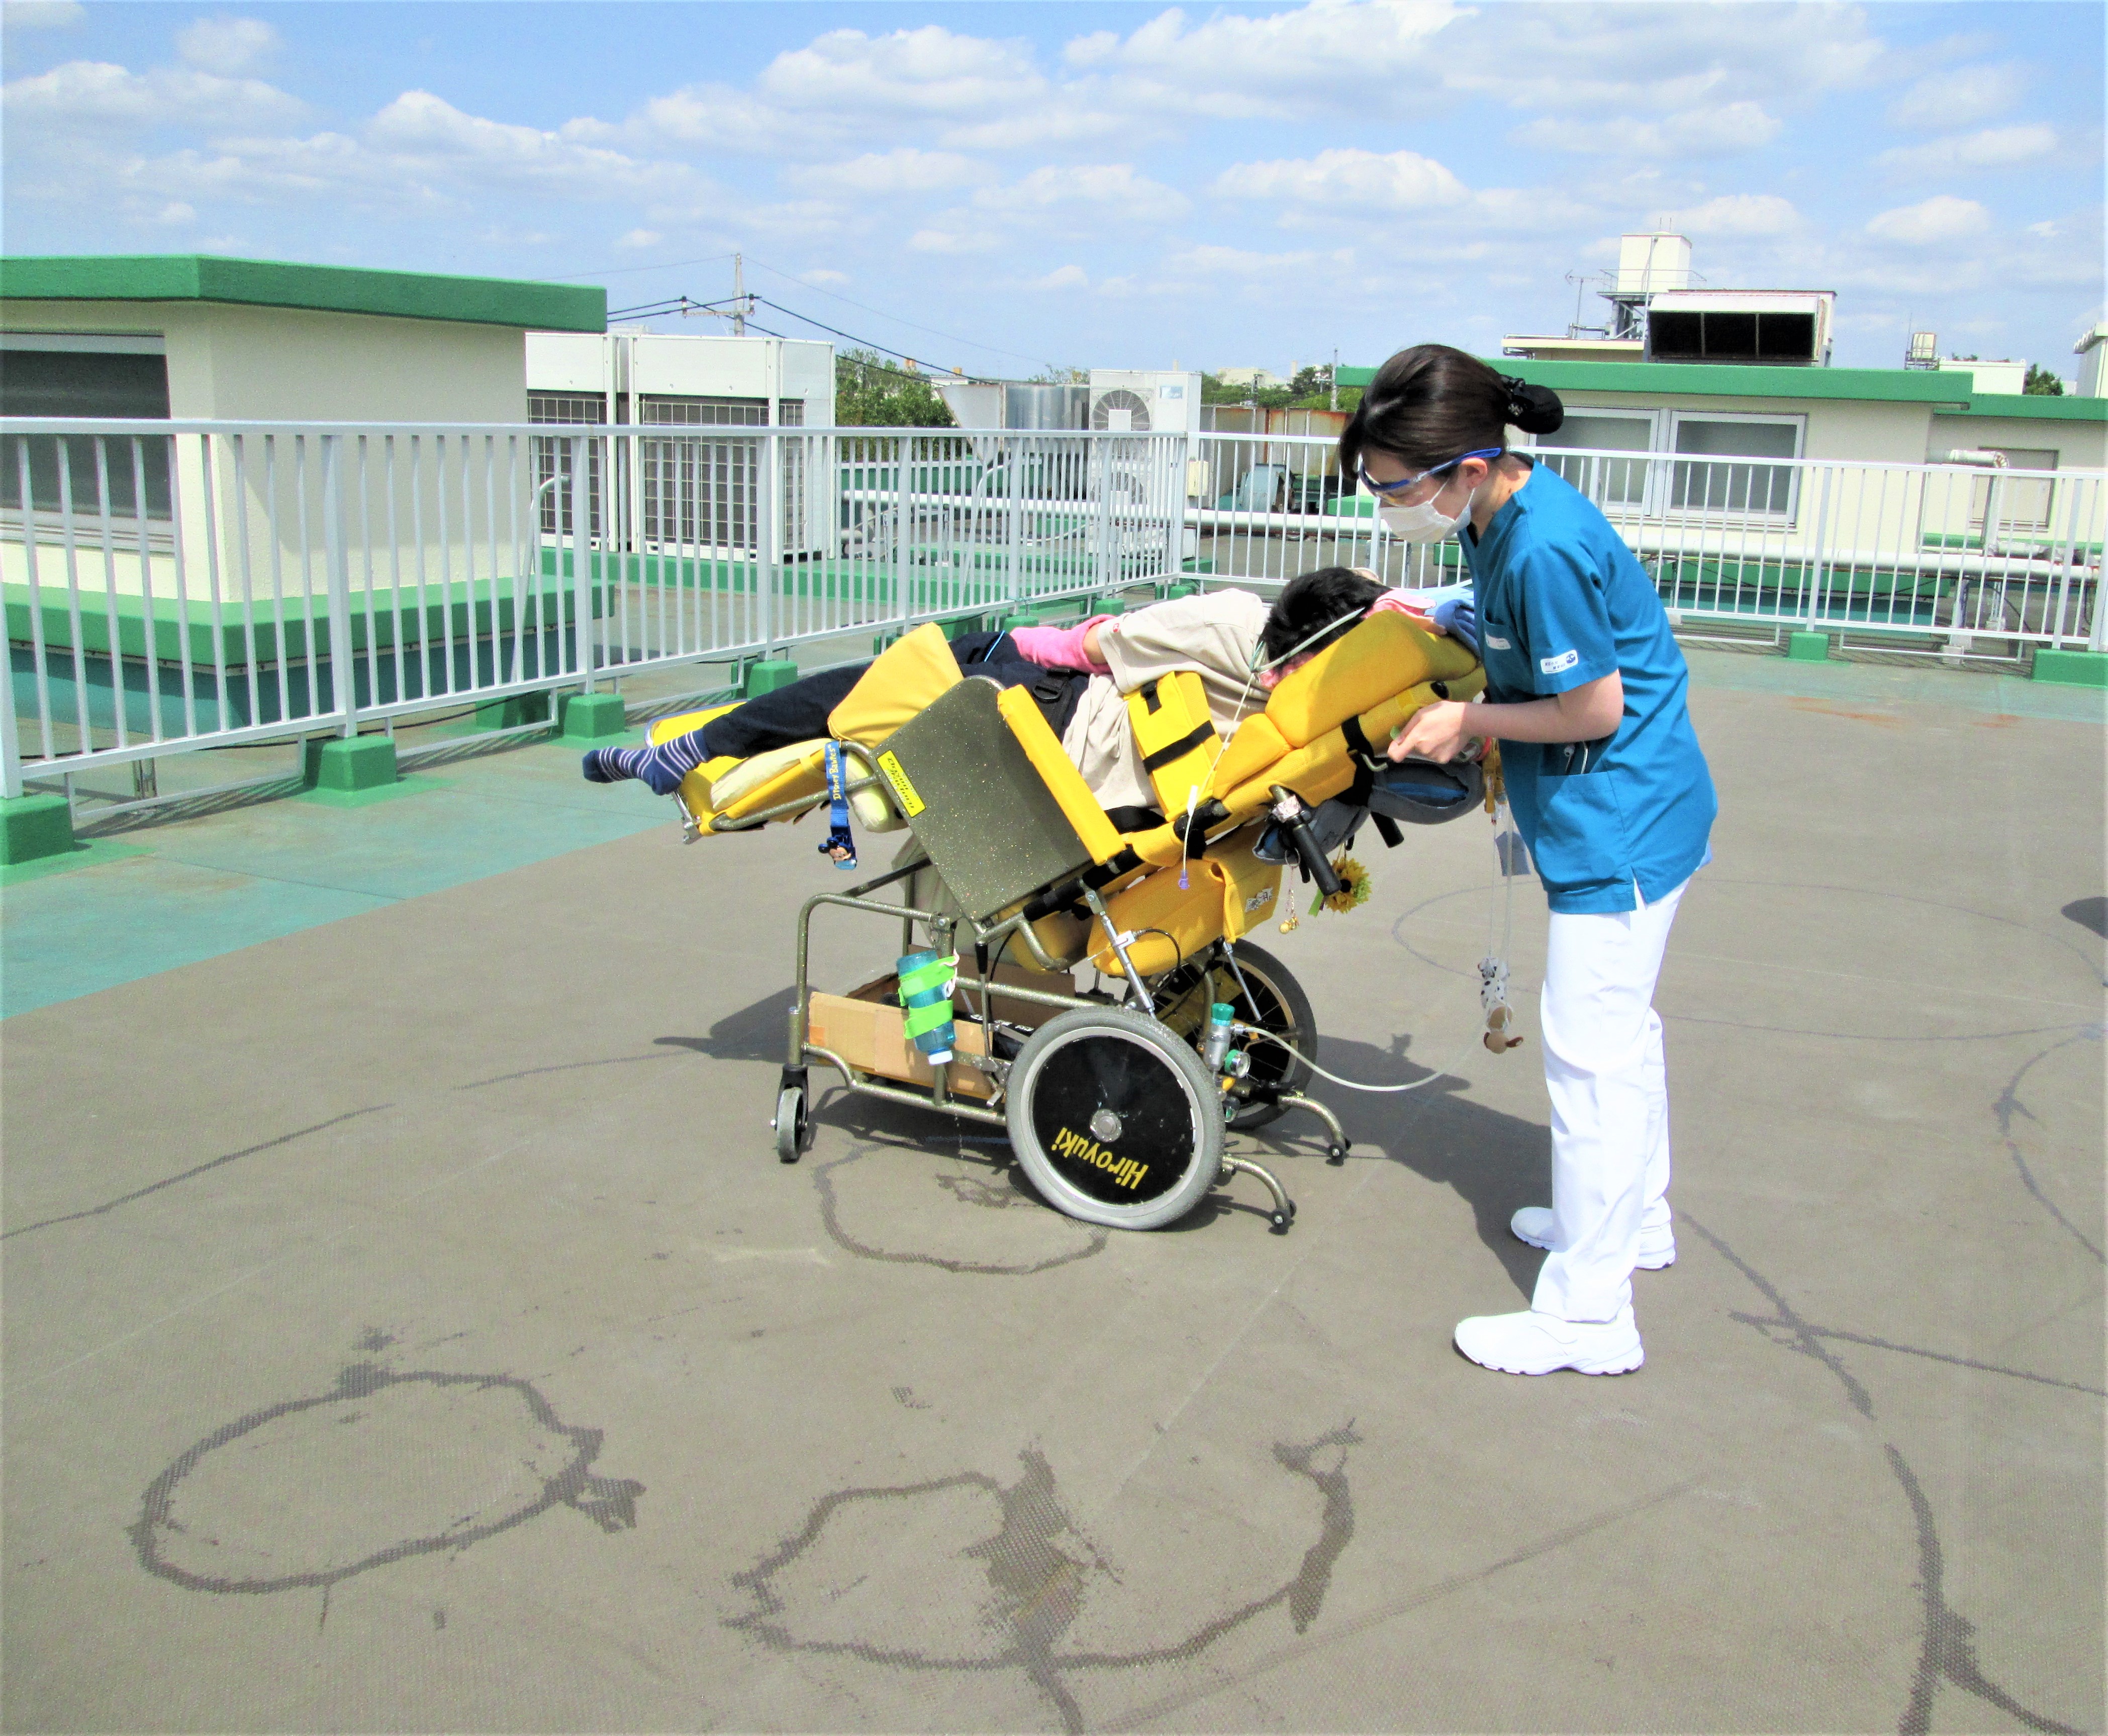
(1535, 409)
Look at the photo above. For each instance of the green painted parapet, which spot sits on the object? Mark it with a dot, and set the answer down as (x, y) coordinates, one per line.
(2073, 668)
(767, 675)
(347, 765)
(1023, 618)
(594, 717)
(1166, 593)
(35, 827)
(1808, 647)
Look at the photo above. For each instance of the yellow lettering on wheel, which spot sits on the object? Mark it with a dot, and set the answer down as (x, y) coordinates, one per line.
(1127, 1171)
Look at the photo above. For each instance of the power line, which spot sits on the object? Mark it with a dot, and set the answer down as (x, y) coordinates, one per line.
(847, 336)
(993, 349)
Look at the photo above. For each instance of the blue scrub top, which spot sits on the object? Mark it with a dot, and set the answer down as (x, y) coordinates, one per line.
(1561, 601)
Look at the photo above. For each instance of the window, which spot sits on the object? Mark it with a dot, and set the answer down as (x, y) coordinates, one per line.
(1611, 483)
(552, 458)
(104, 383)
(1765, 490)
(1690, 467)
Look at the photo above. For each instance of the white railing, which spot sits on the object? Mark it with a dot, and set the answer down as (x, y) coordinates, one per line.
(1940, 556)
(171, 586)
(177, 585)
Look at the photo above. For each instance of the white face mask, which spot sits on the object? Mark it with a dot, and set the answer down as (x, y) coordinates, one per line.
(1425, 523)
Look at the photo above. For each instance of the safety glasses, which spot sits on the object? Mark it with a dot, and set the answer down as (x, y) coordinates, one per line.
(1397, 490)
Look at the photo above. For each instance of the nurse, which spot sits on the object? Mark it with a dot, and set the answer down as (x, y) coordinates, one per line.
(1585, 694)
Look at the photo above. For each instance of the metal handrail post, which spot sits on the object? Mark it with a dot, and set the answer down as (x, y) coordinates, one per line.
(767, 539)
(901, 519)
(581, 553)
(344, 673)
(1819, 569)
(10, 747)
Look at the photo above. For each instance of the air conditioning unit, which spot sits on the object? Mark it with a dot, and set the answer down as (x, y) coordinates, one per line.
(1144, 401)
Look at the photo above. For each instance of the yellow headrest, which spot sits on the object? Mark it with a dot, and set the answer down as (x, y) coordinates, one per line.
(1385, 655)
(908, 675)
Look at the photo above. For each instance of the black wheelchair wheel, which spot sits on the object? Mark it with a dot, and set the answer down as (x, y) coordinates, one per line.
(1115, 1118)
(1276, 1003)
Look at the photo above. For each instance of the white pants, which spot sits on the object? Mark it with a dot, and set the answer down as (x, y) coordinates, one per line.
(1604, 1067)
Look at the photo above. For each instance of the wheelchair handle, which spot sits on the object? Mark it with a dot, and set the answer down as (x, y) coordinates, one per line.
(1294, 814)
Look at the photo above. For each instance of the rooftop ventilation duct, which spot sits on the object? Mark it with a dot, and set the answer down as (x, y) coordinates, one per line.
(1774, 328)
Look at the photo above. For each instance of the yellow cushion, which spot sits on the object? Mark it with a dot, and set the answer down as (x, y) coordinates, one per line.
(1043, 747)
(694, 790)
(1383, 656)
(761, 780)
(1227, 891)
(905, 676)
(1175, 734)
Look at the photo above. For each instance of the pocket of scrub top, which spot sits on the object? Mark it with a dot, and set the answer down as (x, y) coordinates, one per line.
(1581, 830)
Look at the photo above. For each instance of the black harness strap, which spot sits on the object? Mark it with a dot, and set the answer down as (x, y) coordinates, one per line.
(1197, 736)
(1364, 758)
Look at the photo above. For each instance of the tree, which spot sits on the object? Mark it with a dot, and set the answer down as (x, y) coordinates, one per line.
(870, 392)
(2041, 383)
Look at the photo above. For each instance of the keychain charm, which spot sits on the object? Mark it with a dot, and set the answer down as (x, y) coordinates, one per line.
(1494, 998)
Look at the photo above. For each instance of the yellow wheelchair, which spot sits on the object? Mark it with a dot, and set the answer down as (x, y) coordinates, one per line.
(1117, 1099)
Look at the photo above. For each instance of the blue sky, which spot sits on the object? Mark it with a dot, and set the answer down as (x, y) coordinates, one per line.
(1100, 184)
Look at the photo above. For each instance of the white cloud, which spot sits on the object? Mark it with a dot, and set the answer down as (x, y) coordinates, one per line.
(429, 136)
(1737, 214)
(929, 70)
(1210, 260)
(41, 14)
(1994, 148)
(175, 212)
(903, 170)
(1942, 218)
(1064, 277)
(87, 97)
(821, 276)
(948, 236)
(1700, 132)
(1401, 181)
(231, 46)
(640, 238)
(1959, 95)
(1109, 190)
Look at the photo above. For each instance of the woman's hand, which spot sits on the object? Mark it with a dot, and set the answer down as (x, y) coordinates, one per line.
(1438, 731)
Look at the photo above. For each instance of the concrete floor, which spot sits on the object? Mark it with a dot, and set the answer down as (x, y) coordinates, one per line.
(409, 1327)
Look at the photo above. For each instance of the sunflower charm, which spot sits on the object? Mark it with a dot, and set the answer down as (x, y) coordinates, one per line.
(1356, 888)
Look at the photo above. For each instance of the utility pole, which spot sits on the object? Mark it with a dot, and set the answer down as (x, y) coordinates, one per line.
(1335, 381)
(740, 309)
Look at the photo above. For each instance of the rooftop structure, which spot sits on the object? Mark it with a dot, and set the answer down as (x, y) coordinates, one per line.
(195, 337)
(1660, 312)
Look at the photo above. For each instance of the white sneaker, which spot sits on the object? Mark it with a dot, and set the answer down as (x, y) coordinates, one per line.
(1533, 1224)
(1533, 1343)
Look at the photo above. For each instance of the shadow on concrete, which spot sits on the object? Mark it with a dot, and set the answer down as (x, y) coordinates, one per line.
(756, 1032)
(1497, 1163)
(2090, 913)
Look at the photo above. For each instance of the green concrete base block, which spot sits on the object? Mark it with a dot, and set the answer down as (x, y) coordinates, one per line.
(594, 717)
(365, 762)
(1808, 647)
(768, 675)
(1165, 593)
(522, 709)
(963, 624)
(1023, 618)
(1108, 606)
(32, 827)
(2073, 668)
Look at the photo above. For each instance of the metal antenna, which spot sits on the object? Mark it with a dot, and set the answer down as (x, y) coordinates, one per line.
(741, 307)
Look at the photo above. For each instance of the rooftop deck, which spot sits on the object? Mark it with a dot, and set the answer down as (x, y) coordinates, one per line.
(409, 1326)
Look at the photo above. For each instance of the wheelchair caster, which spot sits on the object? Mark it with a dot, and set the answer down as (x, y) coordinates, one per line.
(1281, 1219)
(789, 1124)
(1335, 1154)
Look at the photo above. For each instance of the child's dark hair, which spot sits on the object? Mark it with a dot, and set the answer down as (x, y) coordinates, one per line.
(1336, 596)
(1430, 404)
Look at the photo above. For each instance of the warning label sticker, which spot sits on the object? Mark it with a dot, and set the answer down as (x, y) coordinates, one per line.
(911, 804)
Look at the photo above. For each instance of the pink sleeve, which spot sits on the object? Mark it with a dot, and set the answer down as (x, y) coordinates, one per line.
(1395, 602)
(1058, 647)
